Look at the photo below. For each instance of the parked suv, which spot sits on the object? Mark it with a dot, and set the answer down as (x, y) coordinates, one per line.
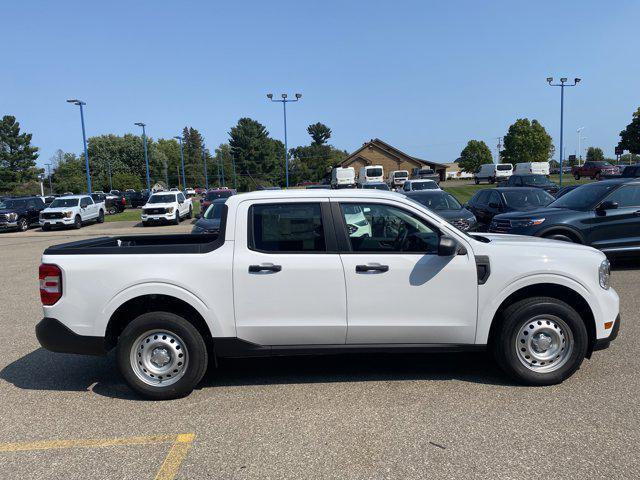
(594, 170)
(74, 210)
(213, 195)
(20, 213)
(488, 203)
(605, 215)
(535, 181)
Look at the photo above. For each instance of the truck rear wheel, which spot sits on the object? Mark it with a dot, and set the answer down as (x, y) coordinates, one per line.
(542, 341)
(161, 356)
(101, 216)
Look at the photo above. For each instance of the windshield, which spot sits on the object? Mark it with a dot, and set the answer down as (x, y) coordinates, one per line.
(401, 175)
(428, 185)
(437, 201)
(602, 164)
(504, 167)
(584, 197)
(214, 212)
(219, 194)
(374, 172)
(375, 186)
(64, 203)
(528, 199)
(536, 180)
(164, 198)
(12, 203)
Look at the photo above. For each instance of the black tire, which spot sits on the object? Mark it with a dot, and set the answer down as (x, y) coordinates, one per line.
(46, 228)
(477, 180)
(190, 214)
(560, 236)
(515, 318)
(492, 180)
(101, 216)
(112, 210)
(577, 176)
(176, 221)
(77, 222)
(23, 224)
(598, 176)
(194, 345)
(145, 224)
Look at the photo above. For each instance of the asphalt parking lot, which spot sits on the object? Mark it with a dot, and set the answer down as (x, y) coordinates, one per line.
(376, 416)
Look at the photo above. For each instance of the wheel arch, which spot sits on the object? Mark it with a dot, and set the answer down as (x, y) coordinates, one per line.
(554, 290)
(562, 230)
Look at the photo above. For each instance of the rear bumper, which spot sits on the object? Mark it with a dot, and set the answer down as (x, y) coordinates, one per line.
(56, 337)
(603, 343)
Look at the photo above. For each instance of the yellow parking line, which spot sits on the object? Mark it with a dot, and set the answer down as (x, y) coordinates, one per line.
(168, 470)
(174, 458)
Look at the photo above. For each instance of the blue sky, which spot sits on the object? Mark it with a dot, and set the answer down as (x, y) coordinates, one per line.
(424, 76)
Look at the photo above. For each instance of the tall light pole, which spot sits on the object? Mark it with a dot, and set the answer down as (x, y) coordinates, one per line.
(184, 183)
(284, 102)
(563, 83)
(80, 103)
(146, 158)
(109, 172)
(579, 132)
(48, 165)
(206, 176)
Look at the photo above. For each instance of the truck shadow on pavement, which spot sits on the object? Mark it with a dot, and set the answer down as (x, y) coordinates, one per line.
(43, 370)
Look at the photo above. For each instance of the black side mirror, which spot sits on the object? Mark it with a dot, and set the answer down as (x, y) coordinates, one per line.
(447, 246)
(607, 205)
(494, 205)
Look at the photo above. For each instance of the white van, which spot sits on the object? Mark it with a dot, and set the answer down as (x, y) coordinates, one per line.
(397, 178)
(537, 168)
(493, 172)
(371, 173)
(343, 177)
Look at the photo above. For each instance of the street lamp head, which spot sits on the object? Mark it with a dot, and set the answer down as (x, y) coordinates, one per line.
(576, 80)
(549, 79)
(73, 100)
(178, 138)
(284, 95)
(298, 96)
(563, 79)
(270, 96)
(140, 124)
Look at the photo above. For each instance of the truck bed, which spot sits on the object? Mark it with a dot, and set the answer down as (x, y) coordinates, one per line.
(140, 245)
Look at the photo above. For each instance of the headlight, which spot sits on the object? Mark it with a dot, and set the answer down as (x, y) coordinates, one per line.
(604, 274)
(68, 214)
(527, 222)
(13, 217)
(169, 210)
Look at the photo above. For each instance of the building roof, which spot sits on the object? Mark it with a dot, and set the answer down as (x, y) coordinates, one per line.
(392, 150)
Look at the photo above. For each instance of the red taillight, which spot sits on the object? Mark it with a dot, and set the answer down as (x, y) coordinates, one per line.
(123, 201)
(50, 283)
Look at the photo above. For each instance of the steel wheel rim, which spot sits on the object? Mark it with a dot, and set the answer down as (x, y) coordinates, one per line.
(544, 343)
(23, 225)
(159, 358)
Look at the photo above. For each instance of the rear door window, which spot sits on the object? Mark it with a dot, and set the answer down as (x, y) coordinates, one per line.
(286, 228)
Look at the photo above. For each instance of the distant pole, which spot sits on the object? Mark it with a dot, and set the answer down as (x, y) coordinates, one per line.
(284, 102)
(562, 84)
(146, 158)
(206, 176)
(579, 152)
(109, 172)
(233, 164)
(49, 173)
(80, 103)
(222, 170)
(499, 149)
(184, 181)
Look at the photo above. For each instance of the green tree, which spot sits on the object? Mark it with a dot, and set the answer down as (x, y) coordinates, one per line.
(193, 163)
(121, 154)
(319, 132)
(476, 153)
(527, 141)
(630, 136)
(595, 154)
(221, 167)
(68, 173)
(125, 180)
(167, 161)
(258, 158)
(17, 155)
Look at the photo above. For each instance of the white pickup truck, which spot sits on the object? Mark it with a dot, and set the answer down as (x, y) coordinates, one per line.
(288, 274)
(165, 207)
(72, 210)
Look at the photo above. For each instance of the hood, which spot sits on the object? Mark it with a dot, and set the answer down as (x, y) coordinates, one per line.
(58, 209)
(546, 212)
(523, 241)
(208, 224)
(159, 205)
(462, 213)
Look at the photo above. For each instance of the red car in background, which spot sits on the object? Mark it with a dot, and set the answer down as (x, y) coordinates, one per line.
(212, 195)
(199, 190)
(595, 170)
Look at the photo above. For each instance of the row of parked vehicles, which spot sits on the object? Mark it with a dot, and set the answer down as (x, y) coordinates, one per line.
(372, 176)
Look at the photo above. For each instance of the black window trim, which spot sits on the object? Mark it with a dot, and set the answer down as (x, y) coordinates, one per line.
(342, 235)
(327, 227)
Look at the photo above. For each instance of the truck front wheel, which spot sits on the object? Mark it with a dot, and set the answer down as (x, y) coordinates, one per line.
(542, 341)
(161, 356)
(577, 176)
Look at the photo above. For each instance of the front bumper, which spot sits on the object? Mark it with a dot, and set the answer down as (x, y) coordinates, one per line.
(56, 221)
(602, 343)
(56, 337)
(8, 225)
(166, 217)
